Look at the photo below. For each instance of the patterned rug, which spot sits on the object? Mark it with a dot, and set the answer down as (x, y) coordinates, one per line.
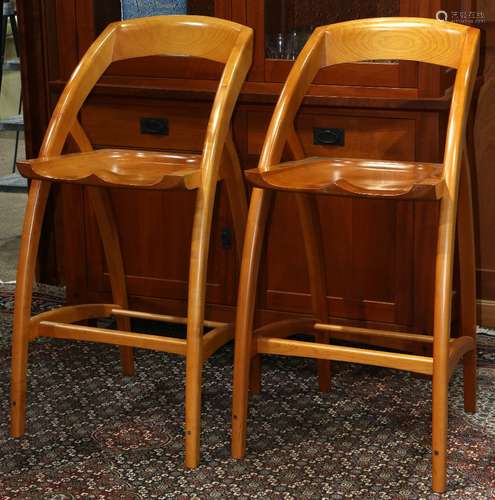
(93, 434)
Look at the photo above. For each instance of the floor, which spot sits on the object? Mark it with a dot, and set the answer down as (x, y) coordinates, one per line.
(93, 434)
(11, 211)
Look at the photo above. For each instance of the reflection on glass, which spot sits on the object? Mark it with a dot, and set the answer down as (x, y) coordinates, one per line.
(289, 23)
(108, 11)
(145, 8)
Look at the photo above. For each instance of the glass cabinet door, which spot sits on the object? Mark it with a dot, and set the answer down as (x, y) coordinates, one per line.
(284, 26)
(289, 23)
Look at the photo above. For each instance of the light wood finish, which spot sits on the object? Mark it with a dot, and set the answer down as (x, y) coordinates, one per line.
(114, 337)
(231, 172)
(119, 168)
(161, 317)
(69, 314)
(286, 328)
(285, 347)
(428, 339)
(195, 36)
(467, 281)
(33, 219)
(424, 40)
(458, 348)
(217, 338)
(248, 282)
(354, 177)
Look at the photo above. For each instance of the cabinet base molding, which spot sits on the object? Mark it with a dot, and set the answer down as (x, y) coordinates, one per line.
(486, 313)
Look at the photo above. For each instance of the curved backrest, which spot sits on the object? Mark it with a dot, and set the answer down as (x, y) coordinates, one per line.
(414, 39)
(195, 36)
(402, 38)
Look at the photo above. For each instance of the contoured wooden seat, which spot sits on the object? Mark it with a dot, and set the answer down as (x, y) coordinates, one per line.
(118, 168)
(422, 40)
(195, 36)
(353, 177)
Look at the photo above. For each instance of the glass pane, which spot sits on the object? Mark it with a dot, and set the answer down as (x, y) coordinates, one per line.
(108, 11)
(289, 23)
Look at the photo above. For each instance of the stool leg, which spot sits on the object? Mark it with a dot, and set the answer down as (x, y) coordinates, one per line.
(441, 334)
(253, 245)
(238, 204)
(107, 226)
(310, 223)
(255, 375)
(236, 192)
(33, 221)
(467, 282)
(194, 369)
(200, 242)
(313, 243)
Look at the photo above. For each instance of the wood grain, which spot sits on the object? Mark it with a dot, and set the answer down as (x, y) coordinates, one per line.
(119, 168)
(194, 36)
(353, 177)
(423, 40)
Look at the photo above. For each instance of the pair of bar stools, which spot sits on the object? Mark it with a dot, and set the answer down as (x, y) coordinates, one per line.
(422, 40)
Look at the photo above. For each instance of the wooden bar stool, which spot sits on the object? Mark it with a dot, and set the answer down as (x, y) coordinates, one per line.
(214, 39)
(423, 40)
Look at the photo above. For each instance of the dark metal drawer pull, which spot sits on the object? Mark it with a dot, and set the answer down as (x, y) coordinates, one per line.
(153, 126)
(329, 136)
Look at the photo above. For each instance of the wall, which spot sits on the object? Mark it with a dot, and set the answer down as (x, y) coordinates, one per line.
(9, 98)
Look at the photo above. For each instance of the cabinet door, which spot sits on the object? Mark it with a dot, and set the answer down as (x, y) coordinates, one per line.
(369, 245)
(155, 226)
(283, 27)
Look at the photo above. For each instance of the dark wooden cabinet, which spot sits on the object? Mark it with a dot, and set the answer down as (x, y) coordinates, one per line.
(377, 273)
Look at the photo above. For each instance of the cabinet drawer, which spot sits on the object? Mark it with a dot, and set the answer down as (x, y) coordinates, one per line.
(180, 126)
(368, 136)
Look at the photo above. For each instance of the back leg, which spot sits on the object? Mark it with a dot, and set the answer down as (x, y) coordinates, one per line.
(310, 223)
(101, 204)
(107, 227)
(467, 283)
(311, 228)
(236, 192)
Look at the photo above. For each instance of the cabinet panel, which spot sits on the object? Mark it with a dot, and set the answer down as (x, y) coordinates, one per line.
(155, 231)
(113, 122)
(364, 136)
(155, 226)
(368, 256)
(373, 135)
(368, 244)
